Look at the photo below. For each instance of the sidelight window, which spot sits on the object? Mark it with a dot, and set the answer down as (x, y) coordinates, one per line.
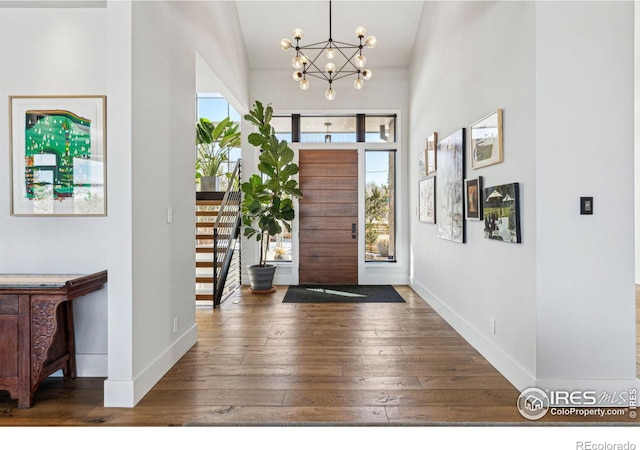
(380, 201)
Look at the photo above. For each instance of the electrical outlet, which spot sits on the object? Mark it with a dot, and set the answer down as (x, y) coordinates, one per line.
(493, 326)
(175, 325)
(170, 217)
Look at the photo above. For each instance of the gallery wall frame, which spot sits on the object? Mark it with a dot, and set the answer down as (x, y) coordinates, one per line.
(485, 140)
(422, 164)
(431, 153)
(473, 198)
(501, 212)
(450, 187)
(58, 155)
(427, 200)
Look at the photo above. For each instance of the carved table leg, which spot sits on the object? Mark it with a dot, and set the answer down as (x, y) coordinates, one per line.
(70, 370)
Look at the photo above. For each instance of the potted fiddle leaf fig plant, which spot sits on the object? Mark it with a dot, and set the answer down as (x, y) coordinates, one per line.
(213, 143)
(267, 204)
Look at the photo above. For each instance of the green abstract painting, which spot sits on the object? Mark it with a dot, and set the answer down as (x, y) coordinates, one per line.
(53, 141)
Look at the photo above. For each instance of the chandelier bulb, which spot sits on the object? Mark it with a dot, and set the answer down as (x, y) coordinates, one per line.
(304, 84)
(371, 41)
(297, 33)
(361, 61)
(330, 53)
(330, 94)
(361, 32)
(366, 74)
(297, 75)
(285, 44)
(330, 68)
(296, 62)
(358, 83)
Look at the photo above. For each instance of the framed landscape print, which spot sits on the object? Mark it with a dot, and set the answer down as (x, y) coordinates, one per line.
(427, 198)
(501, 211)
(450, 187)
(431, 153)
(473, 201)
(58, 155)
(486, 141)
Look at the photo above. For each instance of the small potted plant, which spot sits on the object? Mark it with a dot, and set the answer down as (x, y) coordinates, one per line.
(267, 204)
(213, 143)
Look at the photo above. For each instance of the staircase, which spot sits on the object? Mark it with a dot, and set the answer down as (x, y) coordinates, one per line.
(218, 260)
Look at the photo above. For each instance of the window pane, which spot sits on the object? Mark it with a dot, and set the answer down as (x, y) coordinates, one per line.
(380, 206)
(380, 129)
(282, 126)
(325, 129)
(216, 108)
(279, 248)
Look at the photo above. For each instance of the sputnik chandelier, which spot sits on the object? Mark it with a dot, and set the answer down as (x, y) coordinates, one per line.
(352, 62)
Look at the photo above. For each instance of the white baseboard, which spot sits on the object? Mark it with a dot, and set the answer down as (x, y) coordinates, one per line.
(92, 365)
(88, 365)
(127, 393)
(519, 377)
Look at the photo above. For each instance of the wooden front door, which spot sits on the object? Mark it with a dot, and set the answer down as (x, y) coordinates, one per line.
(328, 217)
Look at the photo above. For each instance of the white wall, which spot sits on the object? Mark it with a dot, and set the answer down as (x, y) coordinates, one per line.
(385, 92)
(562, 300)
(142, 55)
(40, 49)
(472, 58)
(584, 147)
(165, 39)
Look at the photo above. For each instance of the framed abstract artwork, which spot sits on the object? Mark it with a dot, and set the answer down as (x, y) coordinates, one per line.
(450, 187)
(486, 141)
(431, 153)
(473, 201)
(501, 211)
(427, 200)
(58, 155)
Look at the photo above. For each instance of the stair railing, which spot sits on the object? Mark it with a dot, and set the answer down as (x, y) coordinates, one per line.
(226, 231)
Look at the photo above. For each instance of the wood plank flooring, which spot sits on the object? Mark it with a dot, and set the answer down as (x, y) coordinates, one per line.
(261, 362)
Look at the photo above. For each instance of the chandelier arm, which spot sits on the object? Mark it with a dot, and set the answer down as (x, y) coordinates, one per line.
(311, 69)
(346, 45)
(312, 62)
(340, 75)
(349, 60)
(319, 75)
(316, 46)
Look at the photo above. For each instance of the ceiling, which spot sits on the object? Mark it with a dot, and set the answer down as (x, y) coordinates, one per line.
(265, 23)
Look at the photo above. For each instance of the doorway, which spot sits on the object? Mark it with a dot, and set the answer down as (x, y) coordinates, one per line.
(328, 217)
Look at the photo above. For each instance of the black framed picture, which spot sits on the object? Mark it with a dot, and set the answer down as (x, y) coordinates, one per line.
(473, 199)
(501, 211)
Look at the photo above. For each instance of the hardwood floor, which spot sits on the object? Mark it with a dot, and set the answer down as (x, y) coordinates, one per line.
(261, 362)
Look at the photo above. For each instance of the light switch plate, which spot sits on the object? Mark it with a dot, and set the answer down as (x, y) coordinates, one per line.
(586, 205)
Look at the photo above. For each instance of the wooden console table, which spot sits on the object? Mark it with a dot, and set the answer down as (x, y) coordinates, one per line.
(36, 329)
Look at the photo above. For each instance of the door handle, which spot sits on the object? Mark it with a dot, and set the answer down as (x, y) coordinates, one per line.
(354, 232)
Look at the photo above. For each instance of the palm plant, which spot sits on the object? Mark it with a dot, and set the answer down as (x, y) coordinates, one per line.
(213, 143)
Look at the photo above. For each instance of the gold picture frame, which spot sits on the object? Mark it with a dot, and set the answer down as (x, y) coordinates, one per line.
(485, 141)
